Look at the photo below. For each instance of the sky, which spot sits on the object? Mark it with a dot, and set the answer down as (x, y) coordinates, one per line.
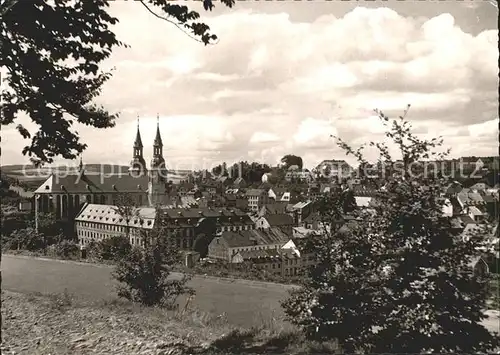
(286, 75)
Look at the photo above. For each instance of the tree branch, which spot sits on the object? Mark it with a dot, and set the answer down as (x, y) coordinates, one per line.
(175, 24)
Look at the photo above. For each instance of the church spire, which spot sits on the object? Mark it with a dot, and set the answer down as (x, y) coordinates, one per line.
(138, 140)
(138, 165)
(158, 159)
(158, 142)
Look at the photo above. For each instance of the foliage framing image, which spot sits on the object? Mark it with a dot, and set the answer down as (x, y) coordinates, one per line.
(399, 280)
(52, 51)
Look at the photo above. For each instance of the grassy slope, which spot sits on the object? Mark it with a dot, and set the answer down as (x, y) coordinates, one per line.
(61, 324)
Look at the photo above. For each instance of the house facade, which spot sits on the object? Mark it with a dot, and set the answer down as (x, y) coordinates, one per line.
(96, 222)
(229, 243)
(256, 199)
(185, 224)
(283, 221)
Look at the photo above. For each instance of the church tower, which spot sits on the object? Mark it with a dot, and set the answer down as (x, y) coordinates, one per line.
(138, 164)
(158, 171)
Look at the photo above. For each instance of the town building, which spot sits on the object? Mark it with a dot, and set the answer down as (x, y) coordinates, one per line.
(185, 224)
(334, 169)
(65, 195)
(299, 175)
(256, 199)
(97, 222)
(282, 221)
(229, 243)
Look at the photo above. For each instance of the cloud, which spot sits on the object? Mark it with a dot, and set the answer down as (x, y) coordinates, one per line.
(314, 133)
(264, 137)
(274, 85)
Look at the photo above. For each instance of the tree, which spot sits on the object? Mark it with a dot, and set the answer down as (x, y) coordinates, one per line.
(291, 159)
(126, 207)
(52, 51)
(399, 281)
(201, 244)
(144, 273)
(113, 248)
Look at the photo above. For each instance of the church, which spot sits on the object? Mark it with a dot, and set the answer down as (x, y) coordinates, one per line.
(65, 195)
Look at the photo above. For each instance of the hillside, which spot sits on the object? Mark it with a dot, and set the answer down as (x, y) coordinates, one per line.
(61, 324)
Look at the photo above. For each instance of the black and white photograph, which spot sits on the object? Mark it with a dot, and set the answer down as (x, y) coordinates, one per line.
(249, 177)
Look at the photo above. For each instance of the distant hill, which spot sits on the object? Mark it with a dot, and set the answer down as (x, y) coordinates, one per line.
(46, 170)
(30, 177)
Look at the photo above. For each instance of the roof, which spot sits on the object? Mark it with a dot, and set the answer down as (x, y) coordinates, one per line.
(108, 214)
(81, 183)
(255, 192)
(490, 198)
(301, 232)
(239, 180)
(259, 254)
(362, 201)
(313, 217)
(301, 205)
(279, 191)
(466, 197)
(480, 186)
(280, 219)
(138, 140)
(475, 211)
(254, 237)
(332, 161)
(274, 208)
(454, 188)
(158, 141)
(232, 191)
(193, 216)
(467, 220)
(188, 201)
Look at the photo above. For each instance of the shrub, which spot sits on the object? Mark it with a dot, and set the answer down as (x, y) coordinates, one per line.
(397, 280)
(114, 248)
(27, 239)
(143, 273)
(65, 249)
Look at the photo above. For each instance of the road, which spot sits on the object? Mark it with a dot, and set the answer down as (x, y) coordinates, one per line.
(245, 304)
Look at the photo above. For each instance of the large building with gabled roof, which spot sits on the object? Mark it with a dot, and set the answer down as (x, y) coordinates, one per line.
(65, 195)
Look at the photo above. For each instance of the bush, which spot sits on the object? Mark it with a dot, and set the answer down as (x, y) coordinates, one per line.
(65, 249)
(397, 280)
(143, 273)
(114, 248)
(26, 239)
